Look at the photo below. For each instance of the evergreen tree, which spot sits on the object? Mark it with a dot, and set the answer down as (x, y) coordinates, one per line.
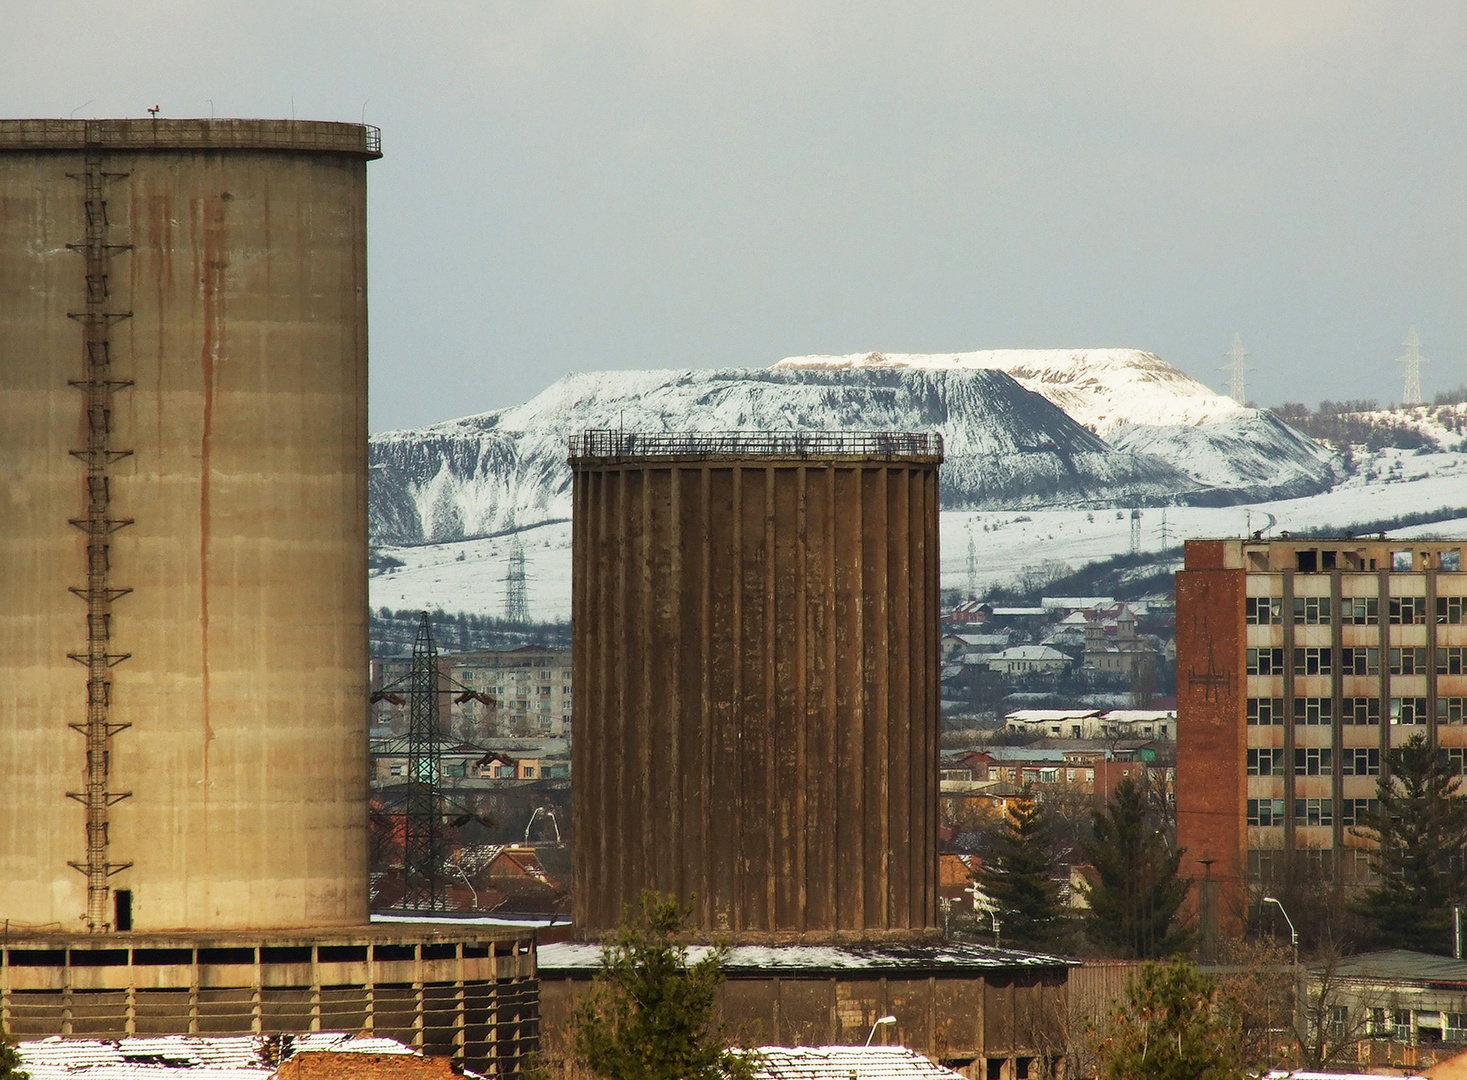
(650, 1014)
(10, 1062)
(1017, 877)
(1169, 1026)
(1135, 903)
(1420, 831)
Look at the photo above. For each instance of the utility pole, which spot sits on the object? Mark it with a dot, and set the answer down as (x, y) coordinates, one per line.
(1237, 368)
(1411, 376)
(1135, 532)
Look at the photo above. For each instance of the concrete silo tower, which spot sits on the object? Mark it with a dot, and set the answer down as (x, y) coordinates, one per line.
(183, 516)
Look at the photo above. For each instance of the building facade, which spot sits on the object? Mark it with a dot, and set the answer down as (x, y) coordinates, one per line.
(531, 688)
(1300, 663)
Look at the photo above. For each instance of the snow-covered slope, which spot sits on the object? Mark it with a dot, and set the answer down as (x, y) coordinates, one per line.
(1139, 402)
(1006, 447)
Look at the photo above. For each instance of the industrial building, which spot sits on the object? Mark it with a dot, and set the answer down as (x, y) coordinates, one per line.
(1299, 664)
(183, 587)
(756, 659)
(755, 653)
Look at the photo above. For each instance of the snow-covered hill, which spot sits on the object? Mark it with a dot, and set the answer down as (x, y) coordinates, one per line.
(1138, 402)
(1006, 447)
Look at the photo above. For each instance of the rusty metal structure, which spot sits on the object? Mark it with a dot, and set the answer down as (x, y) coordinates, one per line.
(756, 672)
(183, 425)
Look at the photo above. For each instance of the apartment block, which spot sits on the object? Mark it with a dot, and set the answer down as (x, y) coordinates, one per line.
(1299, 664)
(531, 688)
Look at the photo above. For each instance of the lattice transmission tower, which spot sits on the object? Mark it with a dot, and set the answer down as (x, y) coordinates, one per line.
(516, 606)
(1411, 376)
(423, 846)
(1135, 532)
(1237, 368)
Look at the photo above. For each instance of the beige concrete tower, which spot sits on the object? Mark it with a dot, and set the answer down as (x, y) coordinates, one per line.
(756, 674)
(183, 609)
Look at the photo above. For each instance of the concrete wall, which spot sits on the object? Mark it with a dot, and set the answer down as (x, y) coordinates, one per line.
(246, 627)
(756, 707)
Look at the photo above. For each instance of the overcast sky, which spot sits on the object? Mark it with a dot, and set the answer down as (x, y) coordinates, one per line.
(583, 185)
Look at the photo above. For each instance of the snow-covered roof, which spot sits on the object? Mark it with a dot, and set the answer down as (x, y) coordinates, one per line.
(845, 1063)
(1076, 603)
(1133, 716)
(202, 1057)
(571, 957)
(1041, 716)
(1030, 652)
(1024, 753)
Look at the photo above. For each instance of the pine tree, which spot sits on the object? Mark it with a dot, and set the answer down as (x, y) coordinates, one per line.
(10, 1062)
(1169, 1026)
(1135, 903)
(1017, 877)
(1420, 831)
(650, 1014)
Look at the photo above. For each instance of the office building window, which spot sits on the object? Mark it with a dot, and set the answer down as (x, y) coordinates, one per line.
(1357, 811)
(1265, 812)
(1449, 710)
(1265, 661)
(1265, 710)
(1313, 710)
(1311, 609)
(1449, 661)
(1449, 608)
(1360, 661)
(1314, 812)
(1406, 610)
(1453, 757)
(1312, 661)
(1408, 661)
(1360, 761)
(1266, 762)
(1263, 610)
(1360, 710)
(1360, 610)
(1408, 710)
(1313, 761)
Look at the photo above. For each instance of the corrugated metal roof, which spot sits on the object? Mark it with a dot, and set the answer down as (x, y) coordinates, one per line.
(846, 1063)
(1402, 965)
(578, 957)
(222, 1057)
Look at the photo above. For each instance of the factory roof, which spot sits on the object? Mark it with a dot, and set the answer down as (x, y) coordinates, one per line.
(1402, 965)
(570, 959)
(178, 135)
(202, 1057)
(614, 444)
(845, 1063)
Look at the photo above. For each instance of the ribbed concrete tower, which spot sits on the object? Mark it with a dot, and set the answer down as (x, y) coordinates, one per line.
(756, 675)
(183, 609)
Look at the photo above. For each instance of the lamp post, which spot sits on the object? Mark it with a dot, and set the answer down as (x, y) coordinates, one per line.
(880, 1021)
(1293, 934)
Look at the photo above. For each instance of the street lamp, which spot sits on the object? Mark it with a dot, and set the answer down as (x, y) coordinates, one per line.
(1293, 934)
(879, 1023)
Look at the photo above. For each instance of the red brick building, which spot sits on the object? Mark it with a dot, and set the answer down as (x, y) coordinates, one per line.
(1299, 664)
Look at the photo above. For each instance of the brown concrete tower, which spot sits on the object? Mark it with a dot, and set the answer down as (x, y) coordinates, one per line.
(756, 674)
(183, 609)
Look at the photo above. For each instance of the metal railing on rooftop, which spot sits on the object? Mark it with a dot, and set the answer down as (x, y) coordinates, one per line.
(612, 443)
(312, 136)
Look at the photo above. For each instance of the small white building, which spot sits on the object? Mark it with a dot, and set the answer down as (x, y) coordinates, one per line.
(1027, 660)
